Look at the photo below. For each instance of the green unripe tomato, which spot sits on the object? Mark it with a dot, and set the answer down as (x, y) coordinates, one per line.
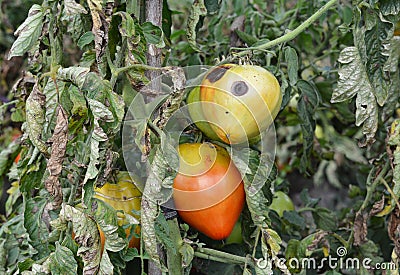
(196, 113)
(236, 235)
(281, 202)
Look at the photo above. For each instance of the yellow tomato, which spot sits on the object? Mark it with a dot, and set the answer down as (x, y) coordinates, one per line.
(239, 101)
(122, 195)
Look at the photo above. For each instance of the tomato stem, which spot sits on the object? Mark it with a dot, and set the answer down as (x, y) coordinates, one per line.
(290, 35)
(219, 256)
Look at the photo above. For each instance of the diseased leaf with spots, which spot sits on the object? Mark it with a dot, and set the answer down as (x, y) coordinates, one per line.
(28, 33)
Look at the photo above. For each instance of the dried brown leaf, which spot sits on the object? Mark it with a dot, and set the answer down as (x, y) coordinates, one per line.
(54, 165)
(360, 228)
(394, 229)
(377, 207)
(319, 238)
(101, 24)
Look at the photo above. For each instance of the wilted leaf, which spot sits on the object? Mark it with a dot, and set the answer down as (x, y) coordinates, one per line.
(35, 118)
(72, 8)
(377, 207)
(153, 34)
(54, 165)
(76, 75)
(149, 212)
(360, 228)
(392, 51)
(100, 27)
(394, 140)
(394, 229)
(28, 33)
(197, 10)
(86, 235)
(273, 240)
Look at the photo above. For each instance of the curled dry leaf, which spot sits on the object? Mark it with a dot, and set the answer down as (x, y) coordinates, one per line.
(360, 228)
(54, 165)
(175, 98)
(100, 27)
(377, 207)
(394, 229)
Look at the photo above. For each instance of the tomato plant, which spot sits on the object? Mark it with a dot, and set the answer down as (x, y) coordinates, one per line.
(96, 87)
(208, 189)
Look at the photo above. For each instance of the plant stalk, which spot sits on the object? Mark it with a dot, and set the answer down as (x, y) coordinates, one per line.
(290, 35)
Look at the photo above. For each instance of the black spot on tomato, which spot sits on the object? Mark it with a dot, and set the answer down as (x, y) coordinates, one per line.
(217, 73)
(239, 88)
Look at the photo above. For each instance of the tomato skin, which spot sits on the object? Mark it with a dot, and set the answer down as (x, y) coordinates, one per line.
(281, 202)
(208, 189)
(236, 235)
(121, 196)
(196, 113)
(239, 101)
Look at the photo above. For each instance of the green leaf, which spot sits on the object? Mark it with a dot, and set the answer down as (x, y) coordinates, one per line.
(258, 174)
(197, 10)
(354, 81)
(291, 59)
(127, 27)
(51, 93)
(389, 7)
(325, 219)
(306, 106)
(153, 34)
(187, 252)
(106, 267)
(28, 33)
(295, 219)
(36, 228)
(166, 19)
(85, 39)
(247, 38)
(5, 156)
(62, 261)
(212, 6)
(113, 242)
(163, 233)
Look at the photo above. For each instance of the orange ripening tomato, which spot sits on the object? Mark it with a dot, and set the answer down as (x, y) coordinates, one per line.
(208, 189)
(125, 196)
